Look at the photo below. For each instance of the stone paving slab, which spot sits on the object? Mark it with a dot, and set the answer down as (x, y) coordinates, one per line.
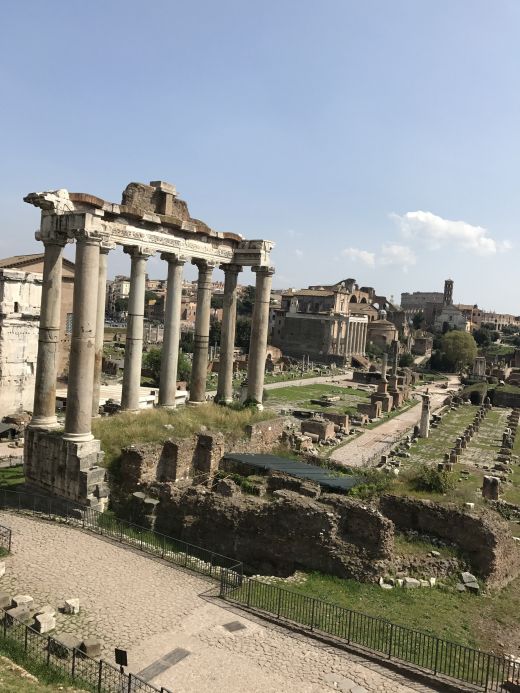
(136, 603)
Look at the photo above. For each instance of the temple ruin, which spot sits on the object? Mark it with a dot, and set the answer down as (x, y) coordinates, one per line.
(150, 220)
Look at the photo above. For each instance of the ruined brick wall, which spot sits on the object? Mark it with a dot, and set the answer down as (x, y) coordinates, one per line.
(506, 399)
(483, 538)
(262, 436)
(335, 535)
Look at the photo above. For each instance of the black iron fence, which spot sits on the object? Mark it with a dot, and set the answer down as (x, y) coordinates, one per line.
(71, 664)
(5, 538)
(442, 658)
(170, 549)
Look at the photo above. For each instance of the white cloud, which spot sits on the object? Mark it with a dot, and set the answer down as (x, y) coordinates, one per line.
(363, 256)
(298, 252)
(436, 232)
(401, 255)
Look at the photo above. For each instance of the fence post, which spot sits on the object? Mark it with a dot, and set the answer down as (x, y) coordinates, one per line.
(129, 682)
(436, 664)
(312, 614)
(486, 687)
(211, 564)
(391, 643)
(249, 592)
(100, 675)
(349, 625)
(73, 672)
(25, 639)
(279, 603)
(48, 650)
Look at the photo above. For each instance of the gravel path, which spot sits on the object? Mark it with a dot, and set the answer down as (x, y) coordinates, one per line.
(149, 608)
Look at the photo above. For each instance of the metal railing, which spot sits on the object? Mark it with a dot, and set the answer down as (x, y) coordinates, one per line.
(5, 538)
(170, 549)
(480, 670)
(70, 663)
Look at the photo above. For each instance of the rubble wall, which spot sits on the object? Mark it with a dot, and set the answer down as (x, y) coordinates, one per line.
(482, 537)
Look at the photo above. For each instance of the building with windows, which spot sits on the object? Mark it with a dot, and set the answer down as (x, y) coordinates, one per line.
(20, 299)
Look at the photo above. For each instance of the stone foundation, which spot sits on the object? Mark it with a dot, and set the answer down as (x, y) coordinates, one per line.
(64, 468)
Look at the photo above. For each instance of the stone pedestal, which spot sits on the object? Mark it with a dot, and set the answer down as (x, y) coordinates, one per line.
(424, 427)
(66, 468)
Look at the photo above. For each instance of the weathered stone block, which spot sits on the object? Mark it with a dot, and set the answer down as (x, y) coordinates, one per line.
(24, 600)
(5, 600)
(323, 429)
(2, 568)
(18, 613)
(64, 646)
(71, 606)
(44, 623)
(411, 583)
(91, 647)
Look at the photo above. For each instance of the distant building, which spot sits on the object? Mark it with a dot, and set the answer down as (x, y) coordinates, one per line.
(20, 302)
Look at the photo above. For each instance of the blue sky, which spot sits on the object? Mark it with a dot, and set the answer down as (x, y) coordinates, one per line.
(372, 139)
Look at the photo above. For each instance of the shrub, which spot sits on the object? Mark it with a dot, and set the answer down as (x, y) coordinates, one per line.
(431, 480)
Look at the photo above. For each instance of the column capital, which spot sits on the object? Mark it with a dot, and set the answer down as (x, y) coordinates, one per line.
(140, 251)
(204, 264)
(174, 259)
(263, 269)
(105, 247)
(231, 268)
(52, 238)
(89, 237)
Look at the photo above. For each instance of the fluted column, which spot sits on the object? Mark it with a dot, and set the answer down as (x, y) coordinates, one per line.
(78, 415)
(44, 410)
(100, 325)
(172, 331)
(134, 329)
(259, 331)
(199, 369)
(227, 334)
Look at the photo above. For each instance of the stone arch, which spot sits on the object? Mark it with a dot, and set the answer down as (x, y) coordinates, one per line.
(363, 300)
(353, 299)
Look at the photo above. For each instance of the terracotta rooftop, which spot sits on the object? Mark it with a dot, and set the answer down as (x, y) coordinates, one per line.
(23, 260)
(309, 292)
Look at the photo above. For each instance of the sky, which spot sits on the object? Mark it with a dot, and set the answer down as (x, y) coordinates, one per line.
(372, 139)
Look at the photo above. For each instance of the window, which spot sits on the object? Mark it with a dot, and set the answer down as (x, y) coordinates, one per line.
(16, 307)
(68, 324)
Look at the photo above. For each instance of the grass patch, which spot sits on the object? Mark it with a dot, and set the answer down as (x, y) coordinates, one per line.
(10, 477)
(158, 425)
(300, 396)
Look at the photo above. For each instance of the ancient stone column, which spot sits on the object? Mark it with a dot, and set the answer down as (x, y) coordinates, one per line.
(227, 334)
(424, 427)
(100, 326)
(356, 338)
(199, 369)
(44, 411)
(134, 329)
(258, 341)
(365, 335)
(78, 415)
(384, 366)
(172, 332)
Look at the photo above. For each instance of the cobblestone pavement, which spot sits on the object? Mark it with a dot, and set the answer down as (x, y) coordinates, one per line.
(376, 441)
(151, 609)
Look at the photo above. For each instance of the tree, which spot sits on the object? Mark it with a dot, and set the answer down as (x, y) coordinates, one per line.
(482, 337)
(217, 301)
(246, 301)
(459, 348)
(243, 333)
(215, 330)
(152, 362)
(406, 360)
(418, 320)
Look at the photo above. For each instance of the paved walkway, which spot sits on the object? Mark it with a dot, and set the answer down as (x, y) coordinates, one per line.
(376, 441)
(166, 620)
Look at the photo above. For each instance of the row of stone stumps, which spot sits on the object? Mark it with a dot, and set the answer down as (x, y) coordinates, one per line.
(492, 484)
(461, 443)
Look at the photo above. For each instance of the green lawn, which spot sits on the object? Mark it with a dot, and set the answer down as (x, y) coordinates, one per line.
(300, 396)
(477, 621)
(10, 477)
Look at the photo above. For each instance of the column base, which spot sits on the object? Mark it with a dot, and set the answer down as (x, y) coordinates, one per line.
(167, 406)
(224, 401)
(44, 422)
(193, 403)
(78, 437)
